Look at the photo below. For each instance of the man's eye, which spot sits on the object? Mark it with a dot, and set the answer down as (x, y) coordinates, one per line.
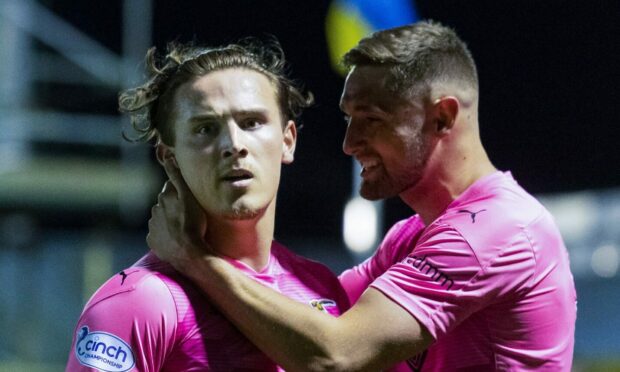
(206, 129)
(373, 120)
(251, 123)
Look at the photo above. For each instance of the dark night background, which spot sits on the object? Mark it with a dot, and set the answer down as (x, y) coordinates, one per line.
(549, 112)
(548, 78)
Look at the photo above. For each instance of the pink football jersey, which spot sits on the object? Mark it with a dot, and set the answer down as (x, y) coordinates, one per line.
(151, 318)
(489, 279)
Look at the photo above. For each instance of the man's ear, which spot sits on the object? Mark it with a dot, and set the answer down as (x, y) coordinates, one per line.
(288, 142)
(445, 110)
(163, 151)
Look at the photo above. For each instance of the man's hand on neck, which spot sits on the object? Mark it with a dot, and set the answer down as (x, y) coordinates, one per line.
(178, 230)
(178, 224)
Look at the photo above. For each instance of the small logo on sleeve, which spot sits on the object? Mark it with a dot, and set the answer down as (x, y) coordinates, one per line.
(103, 351)
(124, 275)
(322, 304)
(471, 214)
(426, 267)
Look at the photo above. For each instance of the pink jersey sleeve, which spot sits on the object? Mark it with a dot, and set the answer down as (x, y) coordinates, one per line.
(128, 325)
(398, 242)
(443, 281)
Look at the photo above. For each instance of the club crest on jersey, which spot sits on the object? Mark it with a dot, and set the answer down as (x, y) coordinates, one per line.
(322, 304)
(103, 351)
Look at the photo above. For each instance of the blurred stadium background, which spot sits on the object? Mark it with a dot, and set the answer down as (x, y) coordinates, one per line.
(75, 198)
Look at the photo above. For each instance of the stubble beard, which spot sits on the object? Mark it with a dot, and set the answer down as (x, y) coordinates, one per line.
(242, 213)
(387, 185)
(236, 210)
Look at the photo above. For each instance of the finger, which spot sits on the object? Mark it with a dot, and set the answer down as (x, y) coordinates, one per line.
(175, 176)
(168, 191)
(149, 240)
(168, 205)
(150, 236)
(156, 216)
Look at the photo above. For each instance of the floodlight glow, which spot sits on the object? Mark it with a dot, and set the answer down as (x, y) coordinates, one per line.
(605, 261)
(575, 215)
(360, 225)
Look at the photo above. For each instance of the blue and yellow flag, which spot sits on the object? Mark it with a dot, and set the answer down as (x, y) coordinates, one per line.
(348, 21)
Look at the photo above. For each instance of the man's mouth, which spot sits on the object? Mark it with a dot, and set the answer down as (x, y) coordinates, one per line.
(368, 166)
(238, 177)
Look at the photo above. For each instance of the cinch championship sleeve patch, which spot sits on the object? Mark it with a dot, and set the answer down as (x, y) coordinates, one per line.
(103, 351)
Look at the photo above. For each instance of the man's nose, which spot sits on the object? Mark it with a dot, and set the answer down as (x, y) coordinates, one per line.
(232, 142)
(353, 138)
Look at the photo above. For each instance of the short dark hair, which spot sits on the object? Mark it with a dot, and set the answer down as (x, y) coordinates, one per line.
(150, 105)
(416, 55)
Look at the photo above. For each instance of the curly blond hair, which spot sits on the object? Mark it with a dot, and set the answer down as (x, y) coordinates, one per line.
(151, 104)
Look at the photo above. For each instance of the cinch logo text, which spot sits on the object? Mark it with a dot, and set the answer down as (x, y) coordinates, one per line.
(103, 350)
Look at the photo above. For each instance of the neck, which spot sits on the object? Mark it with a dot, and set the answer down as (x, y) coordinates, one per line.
(245, 240)
(451, 169)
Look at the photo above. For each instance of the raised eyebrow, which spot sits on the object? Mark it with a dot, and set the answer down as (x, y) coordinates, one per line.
(251, 112)
(369, 109)
(204, 117)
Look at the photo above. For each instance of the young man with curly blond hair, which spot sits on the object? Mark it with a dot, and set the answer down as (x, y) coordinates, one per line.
(224, 119)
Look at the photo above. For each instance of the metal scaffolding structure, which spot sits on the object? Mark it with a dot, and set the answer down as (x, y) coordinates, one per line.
(40, 46)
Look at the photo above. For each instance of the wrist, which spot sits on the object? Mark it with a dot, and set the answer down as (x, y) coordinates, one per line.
(202, 265)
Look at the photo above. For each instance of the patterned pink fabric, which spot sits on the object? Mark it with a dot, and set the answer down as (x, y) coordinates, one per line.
(489, 279)
(150, 318)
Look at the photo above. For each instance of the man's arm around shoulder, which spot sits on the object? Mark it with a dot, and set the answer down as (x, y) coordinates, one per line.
(374, 334)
